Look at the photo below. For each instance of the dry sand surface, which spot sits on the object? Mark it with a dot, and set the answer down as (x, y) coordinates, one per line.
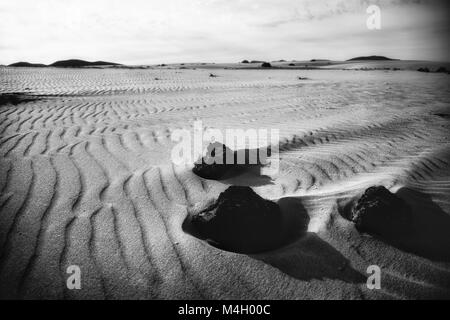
(86, 179)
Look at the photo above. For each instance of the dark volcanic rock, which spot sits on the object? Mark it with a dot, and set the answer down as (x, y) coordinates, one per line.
(16, 98)
(244, 61)
(423, 70)
(241, 221)
(214, 164)
(441, 70)
(266, 65)
(381, 212)
(220, 160)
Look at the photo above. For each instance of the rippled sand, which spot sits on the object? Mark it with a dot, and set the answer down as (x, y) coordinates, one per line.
(86, 179)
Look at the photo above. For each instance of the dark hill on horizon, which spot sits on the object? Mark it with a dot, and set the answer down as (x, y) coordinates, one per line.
(76, 63)
(72, 63)
(27, 64)
(371, 58)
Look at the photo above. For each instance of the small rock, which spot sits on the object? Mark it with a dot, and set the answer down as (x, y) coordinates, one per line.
(240, 221)
(208, 168)
(423, 70)
(381, 212)
(220, 160)
(16, 98)
(266, 65)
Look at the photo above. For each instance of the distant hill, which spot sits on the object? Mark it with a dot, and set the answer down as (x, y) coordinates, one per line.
(75, 63)
(72, 63)
(371, 58)
(27, 64)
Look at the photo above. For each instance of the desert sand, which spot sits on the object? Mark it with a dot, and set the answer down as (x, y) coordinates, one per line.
(86, 179)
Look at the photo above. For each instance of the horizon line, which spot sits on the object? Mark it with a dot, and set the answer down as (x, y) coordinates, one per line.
(228, 62)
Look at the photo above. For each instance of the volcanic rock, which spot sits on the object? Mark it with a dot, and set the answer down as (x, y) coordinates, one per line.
(214, 164)
(240, 221)
(381, 212)
(221, 160)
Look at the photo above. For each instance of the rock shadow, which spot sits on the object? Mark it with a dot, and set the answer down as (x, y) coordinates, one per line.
(301, 254)
(247, 175)
(312, 258)
(15, 98)
(428, 233)
(305, 255)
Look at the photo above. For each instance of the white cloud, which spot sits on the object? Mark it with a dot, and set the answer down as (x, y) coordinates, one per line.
(143, 31)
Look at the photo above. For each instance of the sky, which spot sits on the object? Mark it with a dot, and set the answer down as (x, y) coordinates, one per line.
(170, 31)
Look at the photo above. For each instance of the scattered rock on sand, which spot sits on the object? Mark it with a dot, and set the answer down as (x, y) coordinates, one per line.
(220, 160)
(423, 70)
(214, 164)
(442, 70)
(443, 115)
(381, 212)
(15, 98)
(240, 221)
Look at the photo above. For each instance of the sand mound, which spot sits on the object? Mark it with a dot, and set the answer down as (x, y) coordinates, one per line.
(86, 179)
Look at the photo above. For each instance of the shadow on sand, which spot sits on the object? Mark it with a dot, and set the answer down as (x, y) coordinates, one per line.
(247, 175)
(16, 98)
(429, 234)
(306, 256)
(302, 255)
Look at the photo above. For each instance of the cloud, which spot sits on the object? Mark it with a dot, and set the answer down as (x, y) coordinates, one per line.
(143, 31)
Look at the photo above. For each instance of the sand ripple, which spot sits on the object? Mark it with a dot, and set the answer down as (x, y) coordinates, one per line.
(86, 179)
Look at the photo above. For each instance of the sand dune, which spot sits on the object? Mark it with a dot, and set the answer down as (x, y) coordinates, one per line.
(86, 179)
